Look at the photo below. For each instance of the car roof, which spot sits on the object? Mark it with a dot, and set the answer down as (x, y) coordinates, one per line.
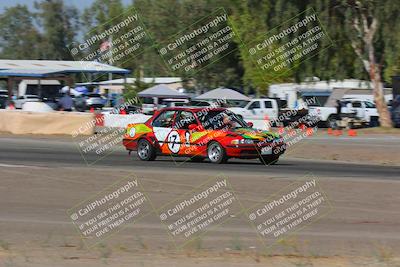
(194, 109)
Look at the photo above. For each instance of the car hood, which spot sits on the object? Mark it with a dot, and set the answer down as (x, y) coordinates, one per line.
(251, 133)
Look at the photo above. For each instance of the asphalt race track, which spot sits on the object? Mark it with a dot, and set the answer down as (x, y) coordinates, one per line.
(43, 177)
(55, 152)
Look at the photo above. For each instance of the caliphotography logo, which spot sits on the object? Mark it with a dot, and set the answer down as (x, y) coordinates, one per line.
(199, 133)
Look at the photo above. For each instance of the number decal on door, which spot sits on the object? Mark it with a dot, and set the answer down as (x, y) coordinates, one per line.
(187, 138)
(174, 141)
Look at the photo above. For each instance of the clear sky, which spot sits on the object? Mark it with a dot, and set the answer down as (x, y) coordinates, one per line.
(81, 4)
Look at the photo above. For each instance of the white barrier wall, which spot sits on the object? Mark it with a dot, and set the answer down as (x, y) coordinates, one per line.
(24, 122)
(121, 121)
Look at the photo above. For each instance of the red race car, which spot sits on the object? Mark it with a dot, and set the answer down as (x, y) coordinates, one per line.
(199, 133)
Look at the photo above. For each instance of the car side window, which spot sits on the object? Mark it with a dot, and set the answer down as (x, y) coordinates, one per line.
(268, 104)
(165, 119)
(356, 104)
(369, 105)
(254, 105)
(184, 119)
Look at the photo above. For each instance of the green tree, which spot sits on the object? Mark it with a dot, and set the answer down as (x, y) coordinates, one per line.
(19, 39)
(59, 24)
(367, 30)
(164, 19)
(101, 15)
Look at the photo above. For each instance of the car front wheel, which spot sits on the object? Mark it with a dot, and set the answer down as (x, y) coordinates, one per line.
(146, 150)
(216, 153)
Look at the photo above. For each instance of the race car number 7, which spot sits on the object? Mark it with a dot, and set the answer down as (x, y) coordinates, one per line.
(174, 141)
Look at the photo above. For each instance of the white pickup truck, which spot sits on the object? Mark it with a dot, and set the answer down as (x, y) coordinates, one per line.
(258, 109)
(363, 109)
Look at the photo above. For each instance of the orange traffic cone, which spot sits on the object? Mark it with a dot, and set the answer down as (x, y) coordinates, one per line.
(281, 130)
(122, 112)
(302, 126)
(352, 132)
(330, 131)
(292, 132)
(309, 131)
(91, 109)
(337, 132)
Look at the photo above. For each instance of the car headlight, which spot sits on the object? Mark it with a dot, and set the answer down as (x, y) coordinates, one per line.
(242, 142)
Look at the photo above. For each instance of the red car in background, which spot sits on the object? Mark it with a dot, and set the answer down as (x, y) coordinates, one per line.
(200, 133)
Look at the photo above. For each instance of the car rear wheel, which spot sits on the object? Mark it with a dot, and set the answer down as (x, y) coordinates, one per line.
(216, 153)
(269, 160)
(332, 122)
(146, 150)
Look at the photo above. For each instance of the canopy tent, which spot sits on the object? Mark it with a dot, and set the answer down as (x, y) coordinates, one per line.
(162, 91)
(44, 68)
(153, 80)
(18, 70)
(223, 93)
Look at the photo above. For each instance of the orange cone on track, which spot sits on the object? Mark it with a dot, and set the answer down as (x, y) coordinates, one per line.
(92, 110)
(281, 130)
(352, 132)
(330, 131)
(302, 126)
(309, 131)
(337, 132)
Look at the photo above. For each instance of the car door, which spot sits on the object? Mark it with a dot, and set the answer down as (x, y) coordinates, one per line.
(370, 110)
(358, 108)
(186, 146)
(254, 110)
(19, 102)
(270, 110)
(164, 132)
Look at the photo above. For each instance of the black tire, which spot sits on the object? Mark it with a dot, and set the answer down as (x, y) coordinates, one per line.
(146, 151)
(197, 159)
(332, 122)
(374, 122)
(216, 153)
(269, 160)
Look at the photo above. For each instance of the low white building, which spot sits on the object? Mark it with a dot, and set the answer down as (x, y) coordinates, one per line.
(117, 85)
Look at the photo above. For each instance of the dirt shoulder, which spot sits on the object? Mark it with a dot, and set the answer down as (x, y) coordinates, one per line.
(72, 255)
(368, 147)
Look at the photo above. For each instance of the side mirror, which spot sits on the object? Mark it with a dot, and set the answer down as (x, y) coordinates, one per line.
(250, 124)
(192, 127)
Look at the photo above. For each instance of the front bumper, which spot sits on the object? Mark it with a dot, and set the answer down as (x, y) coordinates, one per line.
(255, 150)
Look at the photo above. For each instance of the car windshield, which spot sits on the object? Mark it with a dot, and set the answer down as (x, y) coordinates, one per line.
(369, 104)
(237, 103)
(199, 104)
(220, 119)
